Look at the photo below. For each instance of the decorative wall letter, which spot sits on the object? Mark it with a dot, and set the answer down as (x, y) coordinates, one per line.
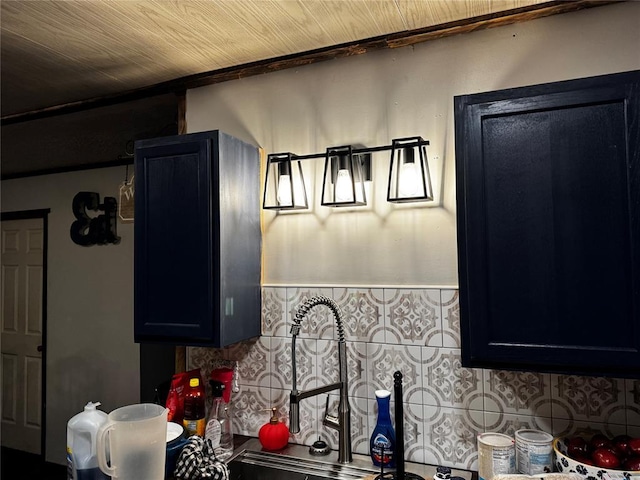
(98, 230)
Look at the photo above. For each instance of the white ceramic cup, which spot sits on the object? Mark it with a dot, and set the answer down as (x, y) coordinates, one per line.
(131, 445)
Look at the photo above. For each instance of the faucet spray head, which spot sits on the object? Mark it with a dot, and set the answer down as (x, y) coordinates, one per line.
(294, 414)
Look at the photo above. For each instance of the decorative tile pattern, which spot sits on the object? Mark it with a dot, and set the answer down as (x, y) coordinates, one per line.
(384, 360)
(415, 331)
(360, 425)
(566, 427)
(306, 367)
(520, 393)
(450, 437)
(413, 432)
(413, 317)
(252, 359)
(362, 312)
(586, 398)
(356, 366)
(309, 373)
(509, 423)
(274, 307)
(327, 361)
(447, 383)
(249, 407)
(617, 415)
(319, 322)
(204, 359)
(280, 367)
(450, 318)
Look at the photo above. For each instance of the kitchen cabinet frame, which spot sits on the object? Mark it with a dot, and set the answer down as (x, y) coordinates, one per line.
(197, 240)
(548, 217)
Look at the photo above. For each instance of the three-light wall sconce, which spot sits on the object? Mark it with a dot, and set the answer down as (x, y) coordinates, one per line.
(346, 169)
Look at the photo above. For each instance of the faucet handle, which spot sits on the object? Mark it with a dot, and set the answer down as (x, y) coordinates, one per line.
(330, 421)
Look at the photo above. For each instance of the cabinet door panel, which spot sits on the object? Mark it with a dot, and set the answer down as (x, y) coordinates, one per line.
(548, 209)
(173, 238)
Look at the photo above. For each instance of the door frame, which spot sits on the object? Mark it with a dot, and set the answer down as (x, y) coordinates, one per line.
(44, 215)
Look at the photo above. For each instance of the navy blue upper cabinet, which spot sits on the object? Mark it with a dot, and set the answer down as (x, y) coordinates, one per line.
(548, 212)
(197, 240)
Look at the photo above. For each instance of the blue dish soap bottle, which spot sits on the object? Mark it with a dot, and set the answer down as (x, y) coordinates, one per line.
(383, 439)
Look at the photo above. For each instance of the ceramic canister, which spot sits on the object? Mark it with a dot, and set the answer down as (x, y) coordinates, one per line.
(496, 455)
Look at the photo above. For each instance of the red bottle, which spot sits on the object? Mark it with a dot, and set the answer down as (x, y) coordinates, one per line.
(194, 408)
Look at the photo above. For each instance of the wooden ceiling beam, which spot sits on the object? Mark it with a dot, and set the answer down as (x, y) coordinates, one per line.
(395, 40)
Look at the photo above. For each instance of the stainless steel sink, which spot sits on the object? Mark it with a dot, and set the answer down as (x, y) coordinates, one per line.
(295, 462)
(263, 466)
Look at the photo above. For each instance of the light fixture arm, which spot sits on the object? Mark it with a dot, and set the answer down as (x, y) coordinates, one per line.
(363, 150)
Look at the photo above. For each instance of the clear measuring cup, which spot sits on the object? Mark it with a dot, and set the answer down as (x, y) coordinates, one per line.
(131, 445)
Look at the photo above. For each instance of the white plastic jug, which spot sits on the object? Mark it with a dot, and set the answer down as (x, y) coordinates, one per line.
(135, 439)
(82, 429)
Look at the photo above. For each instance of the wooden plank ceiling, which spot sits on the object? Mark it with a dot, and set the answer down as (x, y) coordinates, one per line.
(56, 52)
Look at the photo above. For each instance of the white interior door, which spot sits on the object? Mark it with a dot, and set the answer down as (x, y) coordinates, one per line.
(21, 310)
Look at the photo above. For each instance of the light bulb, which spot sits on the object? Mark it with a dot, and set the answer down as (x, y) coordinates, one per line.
(408, 180)
(344, 187)
(284, 190)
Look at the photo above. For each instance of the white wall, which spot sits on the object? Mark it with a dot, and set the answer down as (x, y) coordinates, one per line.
(373, 98)
(91, 355)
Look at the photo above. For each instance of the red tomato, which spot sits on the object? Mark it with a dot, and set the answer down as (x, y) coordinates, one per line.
(632, 464)
(621, 444)
(633, 447)
(576, 447)
(605, 458)
(599, 441)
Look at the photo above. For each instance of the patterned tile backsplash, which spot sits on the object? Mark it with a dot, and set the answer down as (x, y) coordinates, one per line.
(416, 331)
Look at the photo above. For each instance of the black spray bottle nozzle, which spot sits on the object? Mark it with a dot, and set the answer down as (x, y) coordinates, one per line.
(217, 388)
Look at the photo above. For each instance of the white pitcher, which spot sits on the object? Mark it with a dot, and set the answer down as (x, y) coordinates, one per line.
(131, 445)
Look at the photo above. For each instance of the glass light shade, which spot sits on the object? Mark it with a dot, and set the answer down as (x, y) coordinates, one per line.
(284, 187)
(343, 183)
(409, 178)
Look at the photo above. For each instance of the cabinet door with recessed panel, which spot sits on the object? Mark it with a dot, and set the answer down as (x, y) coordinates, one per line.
(548, 198)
